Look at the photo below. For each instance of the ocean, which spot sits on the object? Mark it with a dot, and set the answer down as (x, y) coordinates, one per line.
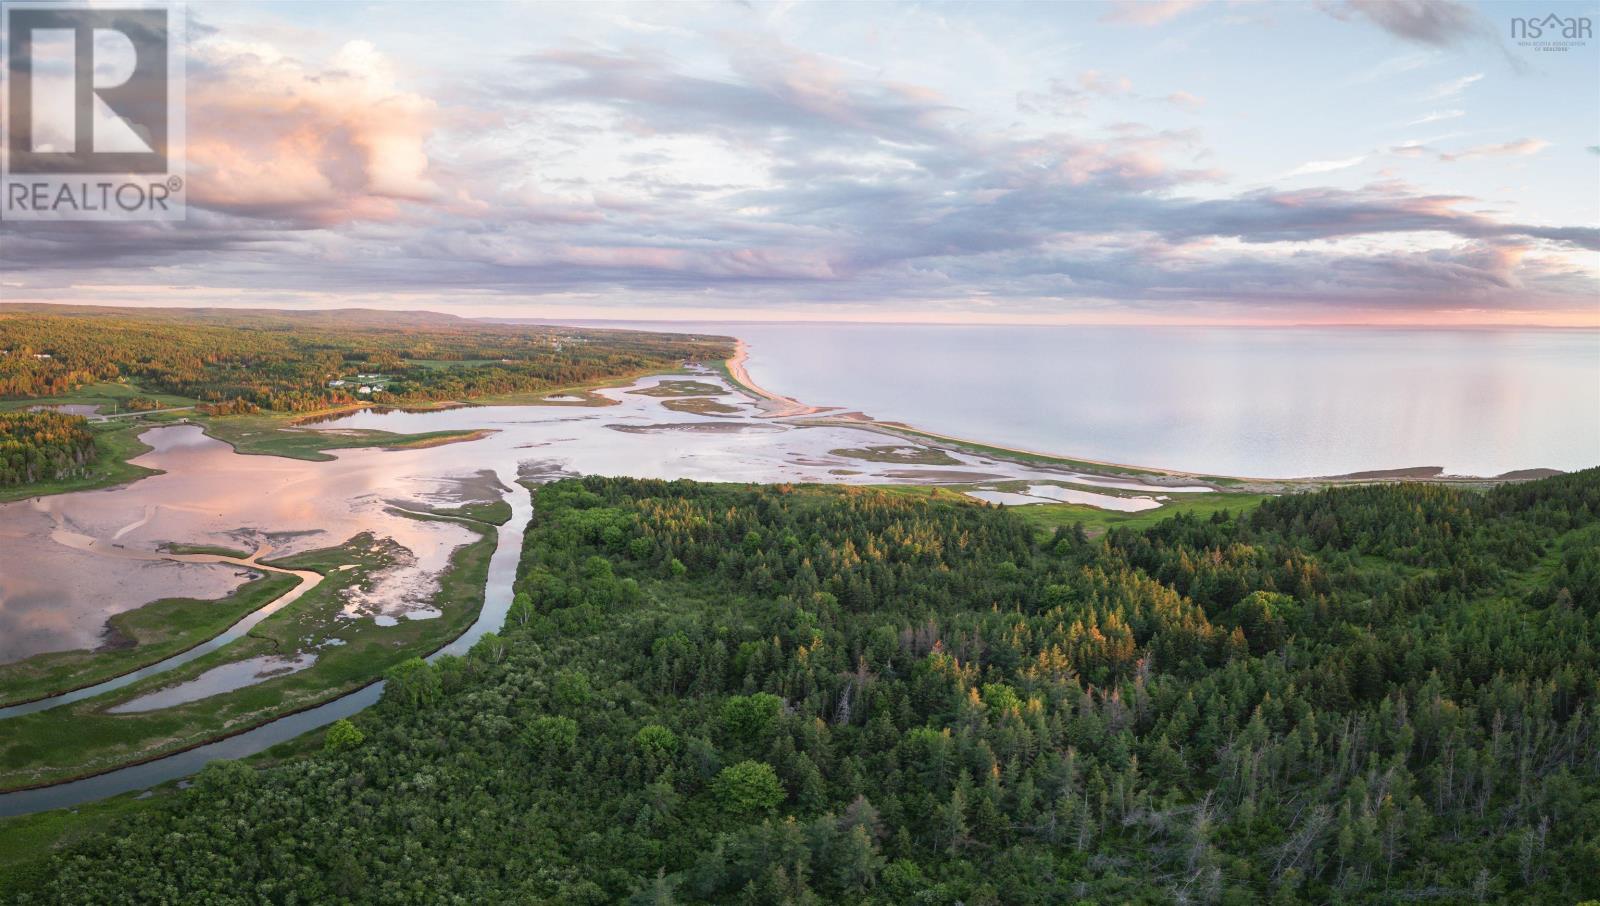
(1256, 402)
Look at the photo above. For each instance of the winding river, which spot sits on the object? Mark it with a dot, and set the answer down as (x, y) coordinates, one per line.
(308, 581)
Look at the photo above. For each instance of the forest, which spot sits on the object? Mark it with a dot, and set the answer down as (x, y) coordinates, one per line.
(741, 694)
(42, 446)
(243, 361)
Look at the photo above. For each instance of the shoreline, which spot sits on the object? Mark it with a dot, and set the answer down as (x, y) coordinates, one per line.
(772, 405)
(785, 407)
(778, 406)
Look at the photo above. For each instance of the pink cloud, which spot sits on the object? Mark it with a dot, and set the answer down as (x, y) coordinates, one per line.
(1520, 148)
(1147, 12)
(271, 136)
(1109, 86)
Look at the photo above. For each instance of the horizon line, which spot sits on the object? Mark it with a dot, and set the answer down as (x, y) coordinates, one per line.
(745, 320)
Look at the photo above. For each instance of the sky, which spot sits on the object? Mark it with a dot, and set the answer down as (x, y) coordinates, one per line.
(1170, 161)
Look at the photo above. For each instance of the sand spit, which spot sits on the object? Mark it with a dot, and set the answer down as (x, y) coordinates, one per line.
(771, 404)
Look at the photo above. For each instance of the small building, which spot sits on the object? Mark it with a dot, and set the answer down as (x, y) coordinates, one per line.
(364, 389)
(336, 383)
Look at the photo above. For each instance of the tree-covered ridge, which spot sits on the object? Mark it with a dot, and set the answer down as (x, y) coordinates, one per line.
(286, 362)
(38, 446)
(781, 695)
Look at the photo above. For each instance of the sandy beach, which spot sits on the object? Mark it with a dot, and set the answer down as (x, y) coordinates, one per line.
(772, 405)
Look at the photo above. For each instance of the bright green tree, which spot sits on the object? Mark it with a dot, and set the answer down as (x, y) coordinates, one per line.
(342, 735)
(748, 788)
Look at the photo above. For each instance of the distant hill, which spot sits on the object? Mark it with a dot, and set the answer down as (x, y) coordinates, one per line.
(302, 361)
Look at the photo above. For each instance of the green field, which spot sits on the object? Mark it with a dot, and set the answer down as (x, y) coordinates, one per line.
(1048, 516)
(447, 364)
(586, 397)
(585, 392)
(109, 396)
(143, 636)
(681, 388)
(37, 749)
(699, 405)
(276, 435)
(214, 549)
(494, 512)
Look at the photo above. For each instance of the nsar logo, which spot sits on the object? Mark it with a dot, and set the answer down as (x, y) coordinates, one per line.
(1552, 33)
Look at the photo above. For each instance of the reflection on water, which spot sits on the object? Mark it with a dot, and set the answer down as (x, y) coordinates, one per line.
(69, 561)
(1229, 401)
(1103, 501)
(224, 678)
(1048, 493)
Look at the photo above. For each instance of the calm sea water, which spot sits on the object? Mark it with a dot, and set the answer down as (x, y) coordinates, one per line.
(1238, 401)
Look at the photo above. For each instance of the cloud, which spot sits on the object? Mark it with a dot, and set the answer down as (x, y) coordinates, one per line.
(776, 90)
(1451, 88)
(1520, 148)
(1060, 97)
(1325, 166)
(1072, 98)
(758, 173)
(276, 138)
(1390, 68)
(1147, 12)
(1096, 82)
(1432, 23)
(1323, 213)
(1436, 116)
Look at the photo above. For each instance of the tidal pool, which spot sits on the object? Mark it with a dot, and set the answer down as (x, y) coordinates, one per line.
(1103, 501)
(1050, 493)
(217, 680)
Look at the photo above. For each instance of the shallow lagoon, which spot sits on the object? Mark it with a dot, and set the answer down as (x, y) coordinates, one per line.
(217, 680)
(70, 561)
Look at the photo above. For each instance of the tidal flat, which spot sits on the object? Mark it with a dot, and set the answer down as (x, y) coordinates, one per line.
(399, 535)
(71, 562)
